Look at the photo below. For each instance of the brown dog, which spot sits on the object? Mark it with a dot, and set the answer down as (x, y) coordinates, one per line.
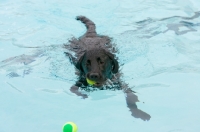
(95, 60)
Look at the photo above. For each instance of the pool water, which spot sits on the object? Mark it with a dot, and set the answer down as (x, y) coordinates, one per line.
(159, 54)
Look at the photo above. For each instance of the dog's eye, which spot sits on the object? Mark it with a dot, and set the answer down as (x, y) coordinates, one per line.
(88, 62)
(100, 61)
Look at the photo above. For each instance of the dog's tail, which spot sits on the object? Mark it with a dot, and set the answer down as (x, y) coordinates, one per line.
(91, 28)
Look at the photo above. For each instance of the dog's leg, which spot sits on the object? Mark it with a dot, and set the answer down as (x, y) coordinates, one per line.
(91, 28)
(131, 100)
(75, 89)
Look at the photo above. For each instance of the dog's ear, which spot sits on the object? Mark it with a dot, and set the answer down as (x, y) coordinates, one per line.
(115, 66)
(71, 58)
(79, 63)
(115, 63)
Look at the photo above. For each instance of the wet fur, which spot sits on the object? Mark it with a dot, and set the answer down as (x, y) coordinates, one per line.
(89, 45)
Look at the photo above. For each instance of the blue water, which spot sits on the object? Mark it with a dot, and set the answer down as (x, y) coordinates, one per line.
(159, 50)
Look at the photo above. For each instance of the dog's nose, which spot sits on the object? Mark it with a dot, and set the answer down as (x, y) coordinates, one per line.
(94, 76)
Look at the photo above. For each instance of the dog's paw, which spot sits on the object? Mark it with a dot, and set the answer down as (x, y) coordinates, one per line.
(84, 96)
(137, 113)
(75, 90)
(80, 17)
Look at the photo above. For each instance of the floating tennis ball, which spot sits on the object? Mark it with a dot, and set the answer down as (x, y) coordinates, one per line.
(90, 81)
(70, 127)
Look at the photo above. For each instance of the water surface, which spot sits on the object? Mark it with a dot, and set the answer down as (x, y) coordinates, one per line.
(158, 44)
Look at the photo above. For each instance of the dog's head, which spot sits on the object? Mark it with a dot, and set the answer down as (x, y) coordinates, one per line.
(97, 65)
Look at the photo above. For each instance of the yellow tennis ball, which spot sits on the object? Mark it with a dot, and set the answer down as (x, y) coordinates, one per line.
(70, 127)
(90, 81)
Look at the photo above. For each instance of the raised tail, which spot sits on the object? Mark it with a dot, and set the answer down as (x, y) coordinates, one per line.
(91, 28)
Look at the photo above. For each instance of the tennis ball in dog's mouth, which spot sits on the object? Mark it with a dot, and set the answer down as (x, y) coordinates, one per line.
(90, 81)
(70, 127)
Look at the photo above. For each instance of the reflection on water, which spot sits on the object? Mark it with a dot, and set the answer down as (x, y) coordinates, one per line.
(57, 65)
(153, 38)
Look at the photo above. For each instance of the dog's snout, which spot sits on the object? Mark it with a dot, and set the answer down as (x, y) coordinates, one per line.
(94, 76)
